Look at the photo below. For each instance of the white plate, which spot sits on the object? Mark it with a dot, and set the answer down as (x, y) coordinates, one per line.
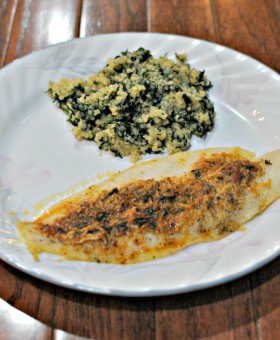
(39, 156)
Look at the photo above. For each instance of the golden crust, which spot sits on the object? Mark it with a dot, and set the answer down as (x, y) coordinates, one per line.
(158, 207)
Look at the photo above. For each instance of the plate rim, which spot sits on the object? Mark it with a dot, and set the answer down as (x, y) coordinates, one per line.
(116, 292)
(75, 39)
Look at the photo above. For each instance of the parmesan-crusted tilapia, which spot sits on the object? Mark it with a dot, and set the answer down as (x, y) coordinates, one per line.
(156, 208)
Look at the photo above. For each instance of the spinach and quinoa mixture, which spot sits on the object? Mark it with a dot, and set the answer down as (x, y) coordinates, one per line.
(138, 104)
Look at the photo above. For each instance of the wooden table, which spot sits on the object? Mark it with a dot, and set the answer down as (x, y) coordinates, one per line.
(248, 308)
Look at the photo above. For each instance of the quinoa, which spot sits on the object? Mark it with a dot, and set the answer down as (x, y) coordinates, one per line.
(138, 104)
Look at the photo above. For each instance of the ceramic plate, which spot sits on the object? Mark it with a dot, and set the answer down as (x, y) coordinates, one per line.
(41, 161)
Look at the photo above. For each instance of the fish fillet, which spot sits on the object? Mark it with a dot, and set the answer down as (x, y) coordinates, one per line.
(159, 207)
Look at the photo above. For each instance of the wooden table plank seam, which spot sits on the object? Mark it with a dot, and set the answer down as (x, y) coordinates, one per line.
(255, 311)
(214, 16)
(78, 18)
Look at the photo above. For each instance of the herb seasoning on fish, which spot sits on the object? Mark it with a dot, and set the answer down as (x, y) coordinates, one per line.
(153, 209)
(138, 104)
(218, 186)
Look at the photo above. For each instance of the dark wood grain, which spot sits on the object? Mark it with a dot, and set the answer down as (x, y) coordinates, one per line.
(231, 311)
(247, 308)
(266, 300)
(107, 16)
(190, 18)
(224, 311)
(7, 15)
(40, 23)
(251, 27)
